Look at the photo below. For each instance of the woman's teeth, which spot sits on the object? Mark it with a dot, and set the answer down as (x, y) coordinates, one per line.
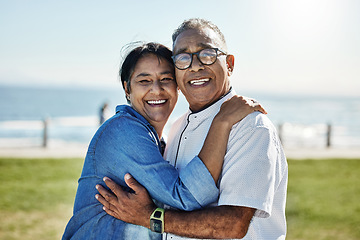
(156, 102)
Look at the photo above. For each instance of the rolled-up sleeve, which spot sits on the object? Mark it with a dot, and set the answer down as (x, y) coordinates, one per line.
(194, 175)
(249, 173)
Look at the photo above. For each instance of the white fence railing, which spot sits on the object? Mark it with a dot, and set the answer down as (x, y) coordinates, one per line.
(21, 133)
(80, 129)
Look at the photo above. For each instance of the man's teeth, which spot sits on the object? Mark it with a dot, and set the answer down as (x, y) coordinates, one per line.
(156, 101)
(199, 82)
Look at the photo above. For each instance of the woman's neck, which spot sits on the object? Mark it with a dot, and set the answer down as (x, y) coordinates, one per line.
(159, 130)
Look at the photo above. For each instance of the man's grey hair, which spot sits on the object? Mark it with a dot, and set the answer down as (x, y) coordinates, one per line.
(198, 24)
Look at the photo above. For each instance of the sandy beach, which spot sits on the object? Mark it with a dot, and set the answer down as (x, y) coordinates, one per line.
(76, 150)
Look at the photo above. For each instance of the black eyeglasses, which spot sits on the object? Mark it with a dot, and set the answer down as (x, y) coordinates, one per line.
(206, 56)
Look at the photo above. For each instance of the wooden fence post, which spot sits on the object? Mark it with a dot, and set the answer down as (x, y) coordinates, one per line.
(45, 132)
(328, 136)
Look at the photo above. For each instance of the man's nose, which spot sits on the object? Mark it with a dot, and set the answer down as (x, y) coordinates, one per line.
(196, 65)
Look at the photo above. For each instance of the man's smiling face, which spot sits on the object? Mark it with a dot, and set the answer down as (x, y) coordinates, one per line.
(202, 84)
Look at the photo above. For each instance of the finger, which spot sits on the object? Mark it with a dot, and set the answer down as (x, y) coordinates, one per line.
(249, 100)
(260, 109)
(109, 211)
(252, 102)
(133, 184)
(107, 207)
(241, 99)
(116, 189)
(235, 101)
(109, 196)
(102, 200)
(106, 204)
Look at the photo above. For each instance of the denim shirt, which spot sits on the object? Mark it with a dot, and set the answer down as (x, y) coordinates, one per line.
(127, 143)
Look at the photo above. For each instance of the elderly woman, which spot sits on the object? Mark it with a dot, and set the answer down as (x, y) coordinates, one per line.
(130, 142)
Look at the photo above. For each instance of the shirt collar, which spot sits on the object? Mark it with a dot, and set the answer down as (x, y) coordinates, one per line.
(217, 103)
(214, 103)
(214, 107)
(129, 110)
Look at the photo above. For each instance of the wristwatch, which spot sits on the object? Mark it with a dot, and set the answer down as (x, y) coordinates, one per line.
(157, 220)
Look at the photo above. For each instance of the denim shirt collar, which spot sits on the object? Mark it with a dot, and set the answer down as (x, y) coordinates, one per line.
(126, 109)
(129, 110)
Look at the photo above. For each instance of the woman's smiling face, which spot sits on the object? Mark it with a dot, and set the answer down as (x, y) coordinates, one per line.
(153, 89)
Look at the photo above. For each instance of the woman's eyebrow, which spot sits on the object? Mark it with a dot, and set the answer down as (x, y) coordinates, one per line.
(167, 72)
(144, 74)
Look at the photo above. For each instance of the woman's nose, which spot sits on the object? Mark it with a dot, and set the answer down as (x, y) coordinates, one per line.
(156, 86)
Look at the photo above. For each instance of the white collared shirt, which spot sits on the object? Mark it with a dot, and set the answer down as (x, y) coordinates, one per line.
(254, 171)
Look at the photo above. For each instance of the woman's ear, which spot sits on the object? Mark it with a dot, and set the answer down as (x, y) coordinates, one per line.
(230, 61)
(127, 92)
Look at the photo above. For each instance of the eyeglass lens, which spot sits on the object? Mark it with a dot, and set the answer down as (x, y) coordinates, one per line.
(206, 56)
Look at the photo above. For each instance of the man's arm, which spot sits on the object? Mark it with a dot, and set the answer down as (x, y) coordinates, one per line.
(136, 208)
(215, 222)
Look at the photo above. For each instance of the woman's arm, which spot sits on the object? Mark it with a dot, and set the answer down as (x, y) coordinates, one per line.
(232, 111)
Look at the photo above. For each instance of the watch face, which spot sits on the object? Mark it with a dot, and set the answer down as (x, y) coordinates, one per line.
(156, 225)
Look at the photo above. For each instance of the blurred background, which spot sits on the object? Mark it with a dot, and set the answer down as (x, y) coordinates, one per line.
(59, 62)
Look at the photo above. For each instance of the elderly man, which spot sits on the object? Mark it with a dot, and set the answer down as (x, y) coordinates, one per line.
(253, 182)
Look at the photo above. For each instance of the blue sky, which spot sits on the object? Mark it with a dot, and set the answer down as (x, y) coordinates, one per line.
(280, 46)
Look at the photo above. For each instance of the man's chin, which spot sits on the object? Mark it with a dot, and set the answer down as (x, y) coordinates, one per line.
(199, 102)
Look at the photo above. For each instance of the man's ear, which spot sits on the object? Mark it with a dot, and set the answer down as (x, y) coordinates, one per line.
(230, 60)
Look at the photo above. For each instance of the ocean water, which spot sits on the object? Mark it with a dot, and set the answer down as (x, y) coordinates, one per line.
(72, 115)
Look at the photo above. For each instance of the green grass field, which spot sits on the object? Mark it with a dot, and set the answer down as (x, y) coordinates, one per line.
(37, 197)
